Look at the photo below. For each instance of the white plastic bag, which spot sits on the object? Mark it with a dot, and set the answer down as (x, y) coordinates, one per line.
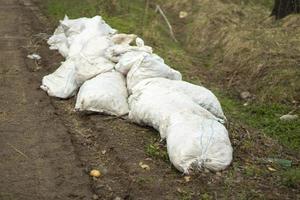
(61, 83)
(106, 93)
(196, 142)
(200, 95)
(152, 66)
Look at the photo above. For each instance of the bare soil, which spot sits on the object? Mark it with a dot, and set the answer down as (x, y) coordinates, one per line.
(38, 160)
(47, 149)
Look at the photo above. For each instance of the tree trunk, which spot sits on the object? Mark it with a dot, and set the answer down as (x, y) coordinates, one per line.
(283, 8)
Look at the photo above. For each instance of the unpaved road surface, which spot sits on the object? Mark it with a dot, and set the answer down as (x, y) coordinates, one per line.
(37, 159)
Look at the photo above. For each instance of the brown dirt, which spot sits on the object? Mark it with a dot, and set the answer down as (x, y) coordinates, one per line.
(37, 155)
(62, 146)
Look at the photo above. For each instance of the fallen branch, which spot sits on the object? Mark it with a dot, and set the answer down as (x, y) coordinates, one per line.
(167, 21)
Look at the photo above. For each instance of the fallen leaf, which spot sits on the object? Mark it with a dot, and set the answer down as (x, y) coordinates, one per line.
(187, 179)
(183, 14)
(144, 166)
(271, 169)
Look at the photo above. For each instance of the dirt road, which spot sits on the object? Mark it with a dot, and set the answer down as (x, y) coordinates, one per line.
(37, 156)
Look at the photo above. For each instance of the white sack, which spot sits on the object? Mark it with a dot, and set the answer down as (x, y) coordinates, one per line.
(129, 59)
(195, 137)
(152, 106)
(72, 34)
(106, 93)
(196, 142)
(95, 47)
(115, 52)
(86, 69)
(61, 83)
(76, 26)
(200, 95)
(58, 41)
(152, 66)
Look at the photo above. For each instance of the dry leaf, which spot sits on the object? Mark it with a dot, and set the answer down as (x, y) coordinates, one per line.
(183, 14)
(187, 179)
(272, 169)
(144, 166)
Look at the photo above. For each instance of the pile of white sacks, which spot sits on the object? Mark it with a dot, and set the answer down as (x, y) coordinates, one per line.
(118, 78)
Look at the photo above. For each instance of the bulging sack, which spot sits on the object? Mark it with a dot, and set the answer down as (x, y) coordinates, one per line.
(106, 93)
(200, 95)
(197, 142)
(61, 83)
(71, 34)
(152, 66)
(195, 137)
(152, 105)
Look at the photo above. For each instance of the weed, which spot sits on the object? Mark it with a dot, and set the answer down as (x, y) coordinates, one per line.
(291, 178)
(157, 150)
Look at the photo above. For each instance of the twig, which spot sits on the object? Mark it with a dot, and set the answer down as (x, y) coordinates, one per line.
(167, 21)
(17, 150)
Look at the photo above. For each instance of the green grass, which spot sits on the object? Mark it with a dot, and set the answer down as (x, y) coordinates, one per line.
(156, 150)
(291, 178)
(129, 17)
(264, 118)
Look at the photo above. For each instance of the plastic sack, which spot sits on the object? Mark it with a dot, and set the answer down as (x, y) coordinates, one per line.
(152, 106)
(106, 93)
(76, 26)
(115, 52)
(200, 95)
(71, 34)
(61, 83)
(86, 69)
(128, 60)
(82, 30)
(197, 142)
(195, 137)
(58, 41)
(95, 47)
(152, 66)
